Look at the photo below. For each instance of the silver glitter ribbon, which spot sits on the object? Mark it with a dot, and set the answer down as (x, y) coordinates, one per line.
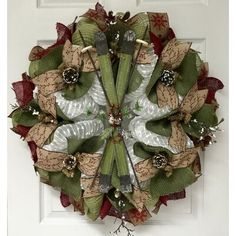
(79, 130)
(97, 93)
(147, 109)
(145, 71)
(83, 108)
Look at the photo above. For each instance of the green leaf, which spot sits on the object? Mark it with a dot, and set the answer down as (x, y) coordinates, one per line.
(145, 151)
(81, 88)
(206, 115)
(163, 185)
(205, 118)
(139, 25)
(44, 175)
(34, 105)
(188, 74)
(199, 63)
(137, 107)
(135, 81)
(70, 186)
(50, 139)
(155, 76)
(74, 145)
(24, 117)
(60, 114)
(49, 62)
(87, 28)
(92, 206)
(161, 127)
(89, 145)
(152, 96)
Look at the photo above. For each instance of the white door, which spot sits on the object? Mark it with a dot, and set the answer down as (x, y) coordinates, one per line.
(34, 209)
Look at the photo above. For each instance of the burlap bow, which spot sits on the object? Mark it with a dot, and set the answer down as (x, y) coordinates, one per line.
(52, 81)
(191, 103)
(40, 132)
(172, 56)
(87, 163)
(145, 169)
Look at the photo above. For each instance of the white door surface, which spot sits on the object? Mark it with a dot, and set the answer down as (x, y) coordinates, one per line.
(34, 209)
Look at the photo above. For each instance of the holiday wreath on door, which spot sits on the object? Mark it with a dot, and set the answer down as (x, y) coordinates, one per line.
(115, 114)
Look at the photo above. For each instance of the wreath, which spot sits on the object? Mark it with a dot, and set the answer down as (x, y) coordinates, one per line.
(115, 114)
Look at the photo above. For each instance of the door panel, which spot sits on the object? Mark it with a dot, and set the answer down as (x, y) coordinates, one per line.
(34, 209)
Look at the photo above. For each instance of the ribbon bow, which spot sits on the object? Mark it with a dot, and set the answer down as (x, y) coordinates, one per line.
(86, 162)
(40, 132)
(171, 57)
(73, 58)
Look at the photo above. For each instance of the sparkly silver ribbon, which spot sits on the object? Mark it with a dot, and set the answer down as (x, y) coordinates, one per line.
(80, 130)
(83, 108)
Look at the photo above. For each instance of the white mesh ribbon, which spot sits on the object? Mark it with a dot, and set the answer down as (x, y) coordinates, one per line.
(145, 71)
(147, 109)
(83, 108)
(80, 130)
(96, 92)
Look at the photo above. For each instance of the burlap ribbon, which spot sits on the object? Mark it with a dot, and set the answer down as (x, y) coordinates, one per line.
(47, 104)
(50, 161)
(87, 163)
(145, 169)
(41, 131)
(174, 53)
(144, 56)
(172, 56)
(182, 160)
(90, 186)
(191, 103)
(72, 55)
(159, 24)
(139, 198)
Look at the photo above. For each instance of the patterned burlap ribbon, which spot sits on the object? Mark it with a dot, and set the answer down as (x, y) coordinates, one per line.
(87, 163)
(182, 160)
(174, 53)
(159, 24)
(139, 198)
(145, 169)
(191, 103)
(73, 57)
(144, 56)
(41, 131)
(172, 56)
